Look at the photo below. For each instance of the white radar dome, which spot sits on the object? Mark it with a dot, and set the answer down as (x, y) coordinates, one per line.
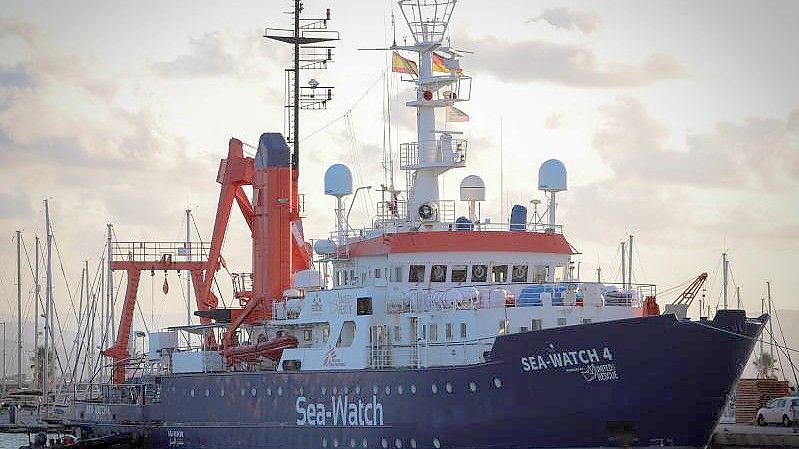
(325, 247)
(552, 176)
(473, 189)
(338, 181)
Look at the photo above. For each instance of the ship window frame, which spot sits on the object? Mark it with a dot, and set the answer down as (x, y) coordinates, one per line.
(562, 321)
(513, 273)
(587, 321)
(396, 274)
(414, 272)
(433, 332)
(377, 273)
(340, 343)
(397, 333)
(483, 278)
(307, 334)
(363, 306)
(460, 270)
(448, 334)
(539, 274)
(536, 324)
(438, 273)
(464, 331)
(499, 274)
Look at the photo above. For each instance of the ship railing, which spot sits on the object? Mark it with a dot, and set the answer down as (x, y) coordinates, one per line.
(159, 251)
(494, 295)
(427, 354)
(124, 394)
(242, 285)
(447, 152)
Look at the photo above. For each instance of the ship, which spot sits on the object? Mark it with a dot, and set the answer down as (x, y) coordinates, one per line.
(421, 331)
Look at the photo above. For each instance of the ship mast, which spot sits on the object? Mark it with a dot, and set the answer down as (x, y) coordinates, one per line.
(434, 151)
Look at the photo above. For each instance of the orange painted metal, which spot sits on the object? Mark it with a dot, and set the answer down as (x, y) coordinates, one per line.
(463, 241)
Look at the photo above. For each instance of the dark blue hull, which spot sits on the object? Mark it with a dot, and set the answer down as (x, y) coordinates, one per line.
(643, 382)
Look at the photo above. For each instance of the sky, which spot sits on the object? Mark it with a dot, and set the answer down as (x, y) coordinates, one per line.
(678, 122)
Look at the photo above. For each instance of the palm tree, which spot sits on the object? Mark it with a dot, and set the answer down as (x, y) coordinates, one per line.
(37, 366)
(766, 366)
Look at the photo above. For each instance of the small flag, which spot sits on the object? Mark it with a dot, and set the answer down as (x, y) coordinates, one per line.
(402, 65)
(456, 115)
(440, 65)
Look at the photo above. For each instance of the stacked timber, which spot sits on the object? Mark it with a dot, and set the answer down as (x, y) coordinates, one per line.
(751, 394)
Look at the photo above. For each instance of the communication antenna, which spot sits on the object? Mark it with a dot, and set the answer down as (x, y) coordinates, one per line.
(305, 37)
(338, 183)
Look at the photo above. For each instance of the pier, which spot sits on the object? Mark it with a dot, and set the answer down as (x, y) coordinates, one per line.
(746, 436)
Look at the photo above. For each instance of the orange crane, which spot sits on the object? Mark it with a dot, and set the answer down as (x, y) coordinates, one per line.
(278, 246)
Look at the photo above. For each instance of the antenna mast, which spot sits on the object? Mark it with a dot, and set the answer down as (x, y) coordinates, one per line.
(303, 36)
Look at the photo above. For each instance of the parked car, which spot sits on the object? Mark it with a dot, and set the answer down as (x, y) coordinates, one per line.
(783, 411)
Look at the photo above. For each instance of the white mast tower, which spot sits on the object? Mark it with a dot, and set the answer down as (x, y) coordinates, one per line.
(435, 151)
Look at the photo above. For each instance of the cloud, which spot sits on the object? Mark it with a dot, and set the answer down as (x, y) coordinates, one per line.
(13, 205)
(567, 64)
(18, 28)
(759, 152)
(569, 19)
(223, 53)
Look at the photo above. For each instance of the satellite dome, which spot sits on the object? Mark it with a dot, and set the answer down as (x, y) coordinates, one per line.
(473, 189)
(325, 247)
(552, 176)
(338, 181)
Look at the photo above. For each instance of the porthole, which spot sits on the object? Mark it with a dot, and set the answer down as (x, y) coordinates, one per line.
(352, 442)
(413, 443)
(302, 391)
(399, 389)
(335, 442)
(448, 386)
(436, 443)
(324, 442)
(192, 392)
(375, 389)
(398, 443)
(222, 393)
(269, 391)
(364, 443)
(242, 392)
(498, 382)
(472, 387)
(324, 391)
(357, 389)
(413, 389)
(207, 393)
(253, 392)
(384, 443)
(434, 388)
(346, 390)
(280, 391)
(335, 390)
(388, 390)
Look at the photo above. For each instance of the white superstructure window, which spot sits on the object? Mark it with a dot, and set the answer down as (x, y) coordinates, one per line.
(397, 334)
(535, 325)
(463, 330)
(396, 274)
(438, 273)
(416, 273)
(540, 273)
(433, 332)
(519, 273)
(561, 321)
(499, 274)
(377, 273)
(459, 273)
(448, 331)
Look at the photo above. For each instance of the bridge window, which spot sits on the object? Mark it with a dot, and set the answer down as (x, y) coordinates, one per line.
(499, 273)
(459, 273)
(416, 273)
(560, 273)
(479, 273)
(347, 335)
(540, 273)
(438, 273)
(519, 273)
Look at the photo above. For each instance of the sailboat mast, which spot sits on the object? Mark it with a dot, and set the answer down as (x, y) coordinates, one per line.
(724, 267)
(37, 287)
(47, 303)
(19, 313)
(109, 287)
(770, 321)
